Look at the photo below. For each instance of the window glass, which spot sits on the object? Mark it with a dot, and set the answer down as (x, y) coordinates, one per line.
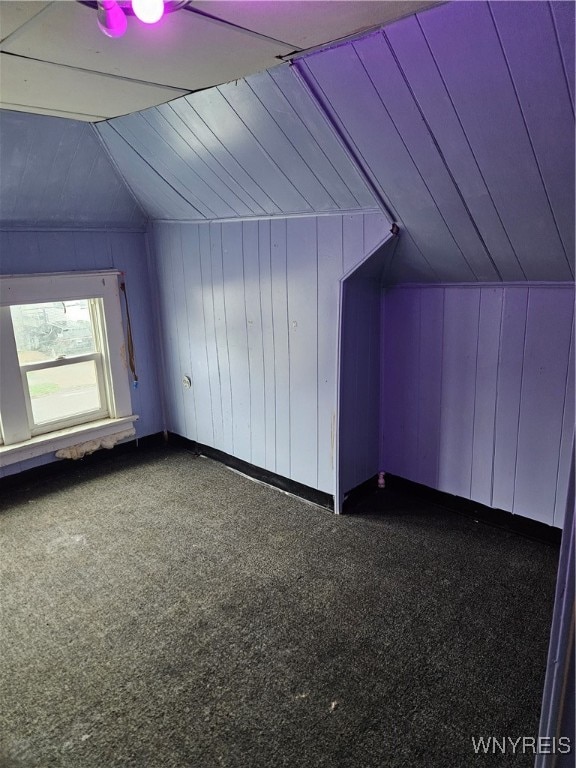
(64, 391)
(52, 330)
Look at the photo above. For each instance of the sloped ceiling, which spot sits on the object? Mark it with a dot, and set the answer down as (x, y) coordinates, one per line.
(459, 120)
(464, 118)
(253, 148)
(57, 172)
(54, 60)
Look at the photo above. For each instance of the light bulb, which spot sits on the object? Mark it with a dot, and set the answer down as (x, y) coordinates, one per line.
(148, 11)
(111, 19)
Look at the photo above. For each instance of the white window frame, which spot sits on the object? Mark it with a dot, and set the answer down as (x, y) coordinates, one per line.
(18, 436)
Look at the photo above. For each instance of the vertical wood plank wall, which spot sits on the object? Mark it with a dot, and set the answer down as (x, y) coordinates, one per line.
(26, 252)
(360, 347)
(249, 310)
(478, 392)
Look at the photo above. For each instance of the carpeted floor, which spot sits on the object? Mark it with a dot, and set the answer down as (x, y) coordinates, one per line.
(161, 611)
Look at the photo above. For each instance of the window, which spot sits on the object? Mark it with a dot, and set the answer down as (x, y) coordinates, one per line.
(62, 360)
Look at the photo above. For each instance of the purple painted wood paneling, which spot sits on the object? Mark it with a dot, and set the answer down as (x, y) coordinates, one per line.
(157, 198)
(400, 385)
(469, 55)
(433, 99)
(162, 154)
(563, 13)
(195, 329)
(392, 87)
(325, 142)
(216, 408)
(302, 280)
(46, 162)
(169, 334)
(494, 392)
(485, 391)
(557, 717)
(29, 252)
(429, 386)
(529, 27)
(466, 126)
(268, 346)
(282, 403)
(360, 343)
(253, 147)
(249, 310)
(215, 153)
(351, 93)
(459, 357)
(565, 457)
(253, 310)
(330, 269)
(352, 242)
(236, 332)
(509, 384)
(546, 355)
(198, 174)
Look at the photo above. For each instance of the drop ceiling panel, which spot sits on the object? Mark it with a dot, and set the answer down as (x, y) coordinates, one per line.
(51, 112)
(184, 50)
(307, 23)
(14, 14)
(57, 90)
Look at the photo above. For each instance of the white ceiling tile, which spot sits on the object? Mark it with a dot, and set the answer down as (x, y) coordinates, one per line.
(28, 83)
(183, 50)
(15, 13)
(52, 112)
(308, 23)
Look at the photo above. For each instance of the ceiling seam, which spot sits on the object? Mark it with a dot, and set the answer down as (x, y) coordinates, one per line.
(74, 68)
(31, 21)
(349, 147)
(345, 154)
(49, 113)
(238, 28)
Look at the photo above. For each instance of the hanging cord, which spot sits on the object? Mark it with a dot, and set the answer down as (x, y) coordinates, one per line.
(130, 341)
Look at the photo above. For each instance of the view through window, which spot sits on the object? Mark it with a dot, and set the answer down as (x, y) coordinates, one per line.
(62, 352)
(60, 358)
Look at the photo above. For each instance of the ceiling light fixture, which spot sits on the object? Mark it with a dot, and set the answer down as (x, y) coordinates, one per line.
(148, 11)
(112, 14)
(111, 18)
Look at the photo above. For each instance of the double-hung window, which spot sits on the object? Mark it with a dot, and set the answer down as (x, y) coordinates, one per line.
(63, 367)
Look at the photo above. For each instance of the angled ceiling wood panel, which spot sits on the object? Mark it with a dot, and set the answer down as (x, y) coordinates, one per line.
(256, 147)
(56, 172)
(463, 117)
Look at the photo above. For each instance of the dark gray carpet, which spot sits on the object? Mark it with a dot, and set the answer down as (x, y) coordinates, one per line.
(161, 611)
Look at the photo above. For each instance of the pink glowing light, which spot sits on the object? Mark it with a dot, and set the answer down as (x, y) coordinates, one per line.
(111, 19)
(148, 11)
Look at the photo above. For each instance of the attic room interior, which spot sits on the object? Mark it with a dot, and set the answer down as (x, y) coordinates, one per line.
(287, 384)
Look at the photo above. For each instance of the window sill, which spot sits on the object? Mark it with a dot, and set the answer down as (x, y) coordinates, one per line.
(63, 438)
